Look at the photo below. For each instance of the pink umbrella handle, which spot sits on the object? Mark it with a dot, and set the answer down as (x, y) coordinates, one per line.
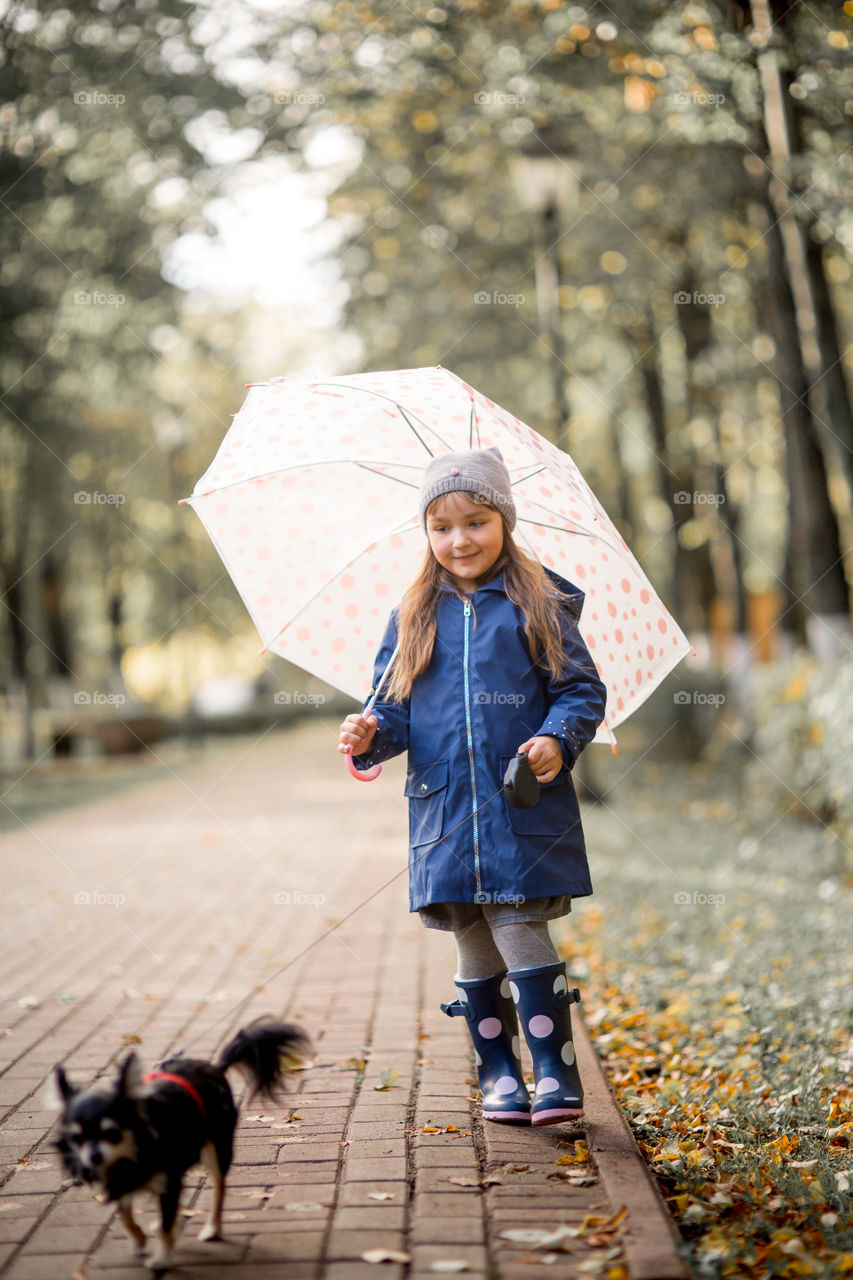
(366, 775)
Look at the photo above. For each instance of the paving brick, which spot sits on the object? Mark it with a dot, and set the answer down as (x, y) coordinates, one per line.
(299, 1246)
(431, 1204)
(384, 1216)
(362, 1148)
(352, 1244)
(358, 1193)
(352, 1270)
(456, 1156)
(45, 1266)
(390, 1168)
(448, 1229)
(423, 1255)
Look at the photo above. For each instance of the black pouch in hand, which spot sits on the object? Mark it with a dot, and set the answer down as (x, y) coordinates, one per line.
(521, 786)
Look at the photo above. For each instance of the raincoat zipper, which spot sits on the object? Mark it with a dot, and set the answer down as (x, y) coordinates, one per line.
(475, 828)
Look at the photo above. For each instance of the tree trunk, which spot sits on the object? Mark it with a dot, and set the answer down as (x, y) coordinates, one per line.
(821, 434)
(813, 578)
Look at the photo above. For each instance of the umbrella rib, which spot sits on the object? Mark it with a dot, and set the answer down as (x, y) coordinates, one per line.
(403, 412)
(366, 466)
(402, 528)
(305, 466)
(580, 533)
(521, 479)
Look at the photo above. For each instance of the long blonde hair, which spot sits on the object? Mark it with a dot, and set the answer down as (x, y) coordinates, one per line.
(527, 585)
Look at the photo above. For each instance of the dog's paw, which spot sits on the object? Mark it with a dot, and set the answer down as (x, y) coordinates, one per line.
(210, 1232)
(159, 1262)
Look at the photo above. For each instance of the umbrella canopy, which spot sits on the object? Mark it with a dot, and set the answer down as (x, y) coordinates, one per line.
(312, 503)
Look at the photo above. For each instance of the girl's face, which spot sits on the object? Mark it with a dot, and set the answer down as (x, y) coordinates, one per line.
(466, 537)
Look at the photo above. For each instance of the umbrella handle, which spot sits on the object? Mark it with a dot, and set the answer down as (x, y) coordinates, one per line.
(366, 775)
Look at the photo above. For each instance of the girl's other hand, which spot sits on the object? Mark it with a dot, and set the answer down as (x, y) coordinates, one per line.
(357, 732)
(544, 755)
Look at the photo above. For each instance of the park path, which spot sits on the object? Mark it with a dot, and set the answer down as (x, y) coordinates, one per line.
(145, 918)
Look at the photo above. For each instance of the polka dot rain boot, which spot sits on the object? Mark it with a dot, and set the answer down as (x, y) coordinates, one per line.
(544, 1003)
(486, 1004)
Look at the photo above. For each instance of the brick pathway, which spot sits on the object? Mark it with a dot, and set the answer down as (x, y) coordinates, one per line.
(146, 918)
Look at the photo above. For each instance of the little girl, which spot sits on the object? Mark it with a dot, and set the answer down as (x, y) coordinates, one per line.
(491, 663)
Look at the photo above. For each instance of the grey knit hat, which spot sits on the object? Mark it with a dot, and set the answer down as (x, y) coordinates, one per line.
(478, 472)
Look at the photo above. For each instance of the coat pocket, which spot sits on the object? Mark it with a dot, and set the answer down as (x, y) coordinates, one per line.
(426, 788)
(555, 812)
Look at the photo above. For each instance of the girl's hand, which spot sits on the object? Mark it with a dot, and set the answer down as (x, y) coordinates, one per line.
(544, 755)
(357, 732)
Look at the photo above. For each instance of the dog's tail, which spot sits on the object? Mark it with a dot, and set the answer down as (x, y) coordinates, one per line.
(264, 1052)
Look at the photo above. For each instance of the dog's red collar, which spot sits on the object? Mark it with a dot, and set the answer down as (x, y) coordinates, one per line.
(173, 1079)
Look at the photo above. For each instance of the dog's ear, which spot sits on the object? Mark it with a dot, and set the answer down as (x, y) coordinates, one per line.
(129, 1084)
(64, 1088)
(57, 1091)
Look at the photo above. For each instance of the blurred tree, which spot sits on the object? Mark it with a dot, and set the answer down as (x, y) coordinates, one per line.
(659, 108)
(106, 119)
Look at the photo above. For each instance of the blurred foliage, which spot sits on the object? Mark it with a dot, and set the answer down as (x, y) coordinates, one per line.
(112, 403)
(658, 109)
(113, 121)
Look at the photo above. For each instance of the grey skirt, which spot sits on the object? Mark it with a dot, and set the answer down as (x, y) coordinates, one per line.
(460, 915)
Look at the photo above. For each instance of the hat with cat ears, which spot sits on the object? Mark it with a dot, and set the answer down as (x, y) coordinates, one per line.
(481, 473)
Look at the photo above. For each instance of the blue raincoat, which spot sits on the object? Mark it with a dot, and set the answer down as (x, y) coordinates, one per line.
(480, 698)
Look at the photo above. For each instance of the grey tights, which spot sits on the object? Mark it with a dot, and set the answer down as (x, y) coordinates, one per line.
(482, 952)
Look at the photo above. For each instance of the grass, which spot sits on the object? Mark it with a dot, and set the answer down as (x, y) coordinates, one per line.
(716, 967)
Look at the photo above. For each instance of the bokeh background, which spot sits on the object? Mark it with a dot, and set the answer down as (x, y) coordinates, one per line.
(631, 228)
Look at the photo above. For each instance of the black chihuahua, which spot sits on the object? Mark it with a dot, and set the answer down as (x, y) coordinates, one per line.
(143, 1132)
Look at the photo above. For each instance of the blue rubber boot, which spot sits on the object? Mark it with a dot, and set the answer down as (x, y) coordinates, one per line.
(544, 1003)
(486, 1004)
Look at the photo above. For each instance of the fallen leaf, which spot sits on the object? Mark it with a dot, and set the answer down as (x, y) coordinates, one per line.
(543, 1238)
(356, 1064)
(386, 1255)
(450, 1265)
(380, 1195)
(387, 1080)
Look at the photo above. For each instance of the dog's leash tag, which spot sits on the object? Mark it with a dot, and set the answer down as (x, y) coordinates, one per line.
(521, 786)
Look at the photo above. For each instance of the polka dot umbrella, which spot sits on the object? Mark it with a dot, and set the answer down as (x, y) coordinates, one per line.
(311, 501)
